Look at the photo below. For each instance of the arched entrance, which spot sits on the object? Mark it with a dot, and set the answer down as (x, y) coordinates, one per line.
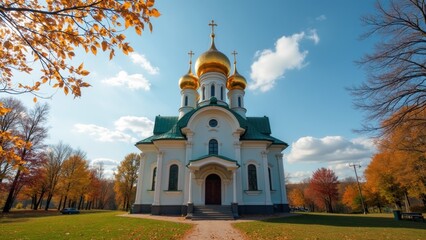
(213, 190)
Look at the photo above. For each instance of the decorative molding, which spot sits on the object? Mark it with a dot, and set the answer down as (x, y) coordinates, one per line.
(177, 192)
(252, 193)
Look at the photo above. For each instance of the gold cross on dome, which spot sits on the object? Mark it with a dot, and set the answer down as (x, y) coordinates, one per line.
(212, 24)
(235, 56)
(191, 53)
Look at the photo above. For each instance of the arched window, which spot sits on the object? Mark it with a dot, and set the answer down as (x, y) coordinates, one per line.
(270, 179)
(203, 93)
(221, 93)
(186, 101)
(213, 147)
(239, 101)
(173, 177)
(154, 176)
(212, 91)
(252, 177)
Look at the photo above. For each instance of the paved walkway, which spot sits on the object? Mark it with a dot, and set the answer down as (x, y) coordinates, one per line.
(209, 229)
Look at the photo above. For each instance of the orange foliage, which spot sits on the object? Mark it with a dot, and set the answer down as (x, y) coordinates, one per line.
(49, 32)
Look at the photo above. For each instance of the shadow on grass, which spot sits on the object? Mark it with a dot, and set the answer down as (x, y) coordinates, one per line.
(25, 215)
(348, 221)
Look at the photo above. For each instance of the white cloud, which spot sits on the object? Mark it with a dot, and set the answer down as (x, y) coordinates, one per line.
(144, 63)
(330, 149)
(104, 161)
(270, 65)
(134, 81)
(140, 125)
(321, 18)
(103, 134)
(313, 36)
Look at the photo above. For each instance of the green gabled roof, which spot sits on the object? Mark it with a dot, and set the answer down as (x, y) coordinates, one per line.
(164, 124)
(261, 124)
(214, 155)
(169, 128)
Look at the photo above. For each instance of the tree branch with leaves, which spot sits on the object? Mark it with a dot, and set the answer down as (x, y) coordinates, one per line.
(49, 32)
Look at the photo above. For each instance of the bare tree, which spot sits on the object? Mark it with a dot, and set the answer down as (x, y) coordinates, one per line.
(32, 130)
(397, 67)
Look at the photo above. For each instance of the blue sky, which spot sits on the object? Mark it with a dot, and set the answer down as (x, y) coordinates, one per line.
(298, 58)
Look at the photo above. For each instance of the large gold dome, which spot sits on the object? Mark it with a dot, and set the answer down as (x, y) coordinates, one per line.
(212, 61)
(189, 81)
(236, 81)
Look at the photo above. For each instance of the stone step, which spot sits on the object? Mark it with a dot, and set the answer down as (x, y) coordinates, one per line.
(212, 212)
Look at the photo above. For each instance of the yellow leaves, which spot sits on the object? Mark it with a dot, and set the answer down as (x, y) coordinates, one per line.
(93, 49)
(138, 30)
(7, 45)
(35, 99)
(111, 54)
(104, 45)
(126, 5)
(93, 25)
(150, 3)
(84, 72)
(155, 13)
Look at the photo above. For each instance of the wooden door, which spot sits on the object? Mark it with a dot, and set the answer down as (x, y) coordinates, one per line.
(213, 190)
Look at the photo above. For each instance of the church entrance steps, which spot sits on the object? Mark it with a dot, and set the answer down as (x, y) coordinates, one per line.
(212, 212)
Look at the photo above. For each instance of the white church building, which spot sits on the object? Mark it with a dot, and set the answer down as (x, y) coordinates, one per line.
(211, 153)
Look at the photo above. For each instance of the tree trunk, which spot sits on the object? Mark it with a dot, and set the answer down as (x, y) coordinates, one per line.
(9, 201)
(407, 203)
(49, 198)
(38, 203)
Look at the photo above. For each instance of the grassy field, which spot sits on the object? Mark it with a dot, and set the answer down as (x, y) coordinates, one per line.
(334, 226)
(92, 225)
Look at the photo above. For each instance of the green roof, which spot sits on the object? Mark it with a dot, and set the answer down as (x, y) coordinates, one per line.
(169, 127)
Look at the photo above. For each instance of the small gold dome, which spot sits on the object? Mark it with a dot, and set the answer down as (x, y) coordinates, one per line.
(236, 81)
(212, 61)
(189, 81)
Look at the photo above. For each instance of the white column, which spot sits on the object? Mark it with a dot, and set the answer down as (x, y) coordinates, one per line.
(266, 178)
(234, 185)
(158, 178)
(188, 156)
(190, 187)
(138, 199)
(282, 178)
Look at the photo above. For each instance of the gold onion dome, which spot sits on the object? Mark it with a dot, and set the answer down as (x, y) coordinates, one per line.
(212, 60)
(236, 81)
(189, 80)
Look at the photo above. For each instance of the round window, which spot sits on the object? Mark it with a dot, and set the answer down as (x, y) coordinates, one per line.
(213, 123)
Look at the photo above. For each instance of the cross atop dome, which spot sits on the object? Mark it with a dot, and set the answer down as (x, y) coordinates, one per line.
(191, 53)
(212, 24)
(235, 56)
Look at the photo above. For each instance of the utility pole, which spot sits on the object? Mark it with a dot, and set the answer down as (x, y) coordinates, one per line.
(359, 187)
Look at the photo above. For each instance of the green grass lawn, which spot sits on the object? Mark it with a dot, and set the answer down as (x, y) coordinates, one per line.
(92, 225)
(334, 226)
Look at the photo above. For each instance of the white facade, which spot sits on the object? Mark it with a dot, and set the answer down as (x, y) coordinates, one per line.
(221, 156)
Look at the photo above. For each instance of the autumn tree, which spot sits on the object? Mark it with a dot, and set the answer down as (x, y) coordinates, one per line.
(396, 68)
(296, 197)
(351, 197)
(33, 132)
(125, 180)
(9, 127)
(381, 178)
(324, 184)
(49, 33)
(55, 157)
(74, 179)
